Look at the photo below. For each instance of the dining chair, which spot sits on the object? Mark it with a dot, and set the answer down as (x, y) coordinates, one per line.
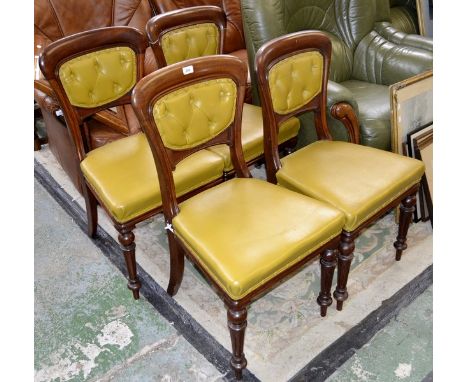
(245, 235)
(363, 182)
(198, 31)
(96, 70)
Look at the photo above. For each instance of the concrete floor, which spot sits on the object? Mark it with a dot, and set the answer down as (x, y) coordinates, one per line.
(88, 327)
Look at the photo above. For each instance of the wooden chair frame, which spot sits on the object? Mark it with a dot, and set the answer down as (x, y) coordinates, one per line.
(51, 59)
(145, 95)
(267, 56)
(163, 23)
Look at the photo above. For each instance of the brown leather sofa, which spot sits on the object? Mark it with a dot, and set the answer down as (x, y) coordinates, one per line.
(54, 19)
(234, 42)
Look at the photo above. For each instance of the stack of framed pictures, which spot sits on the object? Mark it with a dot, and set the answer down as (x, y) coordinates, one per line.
(412, 131)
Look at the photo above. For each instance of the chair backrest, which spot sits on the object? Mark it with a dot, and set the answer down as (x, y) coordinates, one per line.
(93, 71)
(234, 37)
(189, 106)
(186, 33)
(292, 72)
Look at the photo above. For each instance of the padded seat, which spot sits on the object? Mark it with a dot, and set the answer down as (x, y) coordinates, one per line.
(359, 180)
(241, 241)
(123, 174)
(374, 111)
(252, 135)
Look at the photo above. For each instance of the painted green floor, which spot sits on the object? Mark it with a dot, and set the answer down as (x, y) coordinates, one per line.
(88, 327)
(401, 351)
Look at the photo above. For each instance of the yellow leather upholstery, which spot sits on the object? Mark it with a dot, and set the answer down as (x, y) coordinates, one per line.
(97, 78)
(124, 176)
(252, 135)
(190, 42)
(356, 179)
(194, 114)
(295, 80)
(242, 242)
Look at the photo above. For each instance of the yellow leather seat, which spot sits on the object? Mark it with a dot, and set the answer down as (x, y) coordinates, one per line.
(241, 242)
(123, 174)
(356, 179)
(252, 135)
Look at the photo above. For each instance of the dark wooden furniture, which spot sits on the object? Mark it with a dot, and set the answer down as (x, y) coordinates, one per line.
(245, 235)
(363, 182)
(182, 28)
(119, 176)
(56, 19)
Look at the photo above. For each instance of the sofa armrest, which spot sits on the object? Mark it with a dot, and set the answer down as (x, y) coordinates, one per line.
(380, 61)
(387, 31)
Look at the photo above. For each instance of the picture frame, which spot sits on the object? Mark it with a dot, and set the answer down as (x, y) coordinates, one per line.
(425, 15)
(422, 211)
(423, 150)
(411, 108)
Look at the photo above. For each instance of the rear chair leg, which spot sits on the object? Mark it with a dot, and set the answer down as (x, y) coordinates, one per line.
(345, 258)
(237, 322)
(91, 210)
(327, 269)
(177, 265)
(406, 213)
(127, 244)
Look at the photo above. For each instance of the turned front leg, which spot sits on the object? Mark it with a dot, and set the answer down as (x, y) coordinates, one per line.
(345, 258)
(407, 208)
(237, 322)
(327, 269)
(127, 244)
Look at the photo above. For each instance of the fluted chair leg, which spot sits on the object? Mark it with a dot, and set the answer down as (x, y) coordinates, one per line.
(345, 258)
(177, 265)
(407, 208)
(237, 322)
(327, 269)
(127, 242)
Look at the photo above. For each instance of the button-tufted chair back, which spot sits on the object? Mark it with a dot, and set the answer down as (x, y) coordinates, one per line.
(292, 75)
(189, 106)
(92, 71)
(234, 37)
(186, 33)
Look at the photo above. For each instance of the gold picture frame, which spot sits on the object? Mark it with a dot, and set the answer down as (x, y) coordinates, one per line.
(411, 108)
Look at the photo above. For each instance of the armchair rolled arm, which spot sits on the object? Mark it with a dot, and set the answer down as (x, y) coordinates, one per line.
(337, 93)
(344, 112)
(387, 31)
(380, 61)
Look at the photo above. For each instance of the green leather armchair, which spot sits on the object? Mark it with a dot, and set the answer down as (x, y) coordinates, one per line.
(404, 16)
(364, 63)
(397, 21)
